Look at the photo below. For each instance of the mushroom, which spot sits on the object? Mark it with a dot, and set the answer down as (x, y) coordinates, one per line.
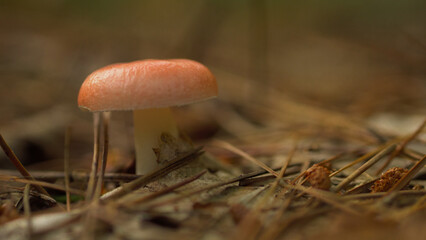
(149, 88)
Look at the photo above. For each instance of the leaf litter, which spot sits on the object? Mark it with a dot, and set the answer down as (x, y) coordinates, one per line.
(272, 183)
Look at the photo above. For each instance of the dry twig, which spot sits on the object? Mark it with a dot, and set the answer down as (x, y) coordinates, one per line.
(67, 166)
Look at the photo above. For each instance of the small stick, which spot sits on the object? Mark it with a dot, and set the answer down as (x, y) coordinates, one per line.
(67, 166)
(14, 159)
(365, 166)
(233, 149)
(400, 147)
(106, 117)
(95, 160)
(409, 175)
(27, 210)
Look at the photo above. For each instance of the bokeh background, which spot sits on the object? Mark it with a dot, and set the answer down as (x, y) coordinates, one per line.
(361, 59)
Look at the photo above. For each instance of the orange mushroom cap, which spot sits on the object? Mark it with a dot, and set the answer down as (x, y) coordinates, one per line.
(147, 84)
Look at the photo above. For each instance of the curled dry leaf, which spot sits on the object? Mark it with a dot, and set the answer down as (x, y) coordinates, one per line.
(170, 147)
(388, 179)
(318, 177)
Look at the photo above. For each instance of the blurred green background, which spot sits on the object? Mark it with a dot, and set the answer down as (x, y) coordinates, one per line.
(353, 57)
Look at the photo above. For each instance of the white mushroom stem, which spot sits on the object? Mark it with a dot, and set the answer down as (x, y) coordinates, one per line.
(148, 126)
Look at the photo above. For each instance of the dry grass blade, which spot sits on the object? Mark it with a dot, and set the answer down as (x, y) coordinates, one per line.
(282, 172)
(365, 166)
(154, 175)
(274, 231)
(414, 209)
(287, 162)
(213, 186)
(67, 167)
(251, 225)
(411, 154)
(302, 173)
(270, 233)
(358, 160)
(382, 194)
(246, 156)
(40, 183)
(168, 189)
(317, 116)
(331, 159)
(324, 196)
(177, 199)
(95, 160)
(277, 226)
(365, 187)
(400, 147)
(418, 206)
(11, 155)
(50, 176)
(409, 175)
